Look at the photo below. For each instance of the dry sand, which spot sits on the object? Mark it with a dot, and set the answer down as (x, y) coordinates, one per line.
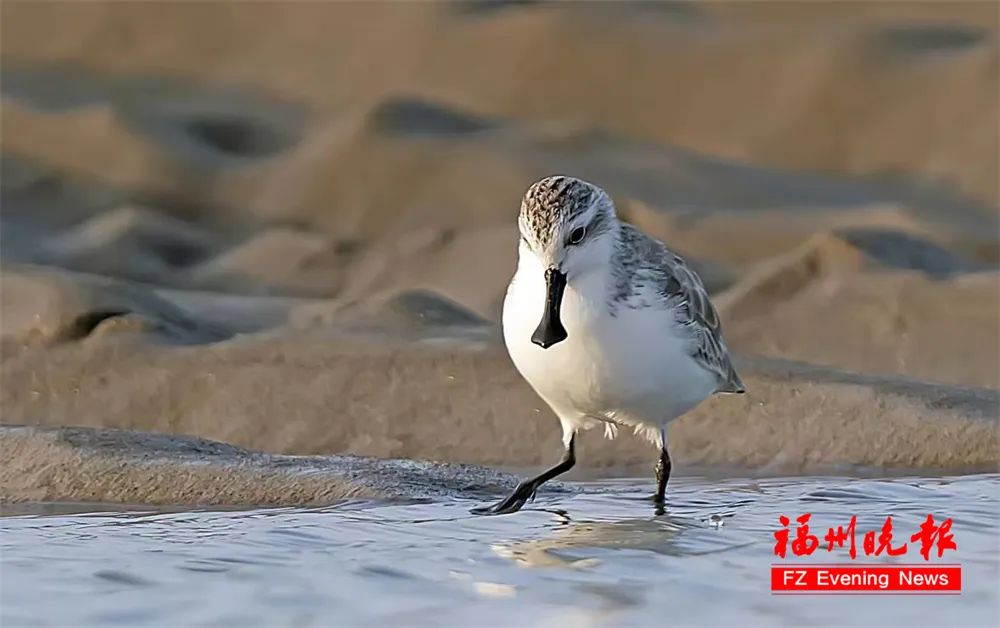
(419, 377)
(291, 230)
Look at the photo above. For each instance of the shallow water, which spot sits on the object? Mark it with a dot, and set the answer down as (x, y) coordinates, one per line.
(597, 558)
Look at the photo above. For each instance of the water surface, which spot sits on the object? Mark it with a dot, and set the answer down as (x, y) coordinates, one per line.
(596, 558)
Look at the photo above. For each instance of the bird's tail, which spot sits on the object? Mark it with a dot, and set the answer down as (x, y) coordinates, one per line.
(733, 383)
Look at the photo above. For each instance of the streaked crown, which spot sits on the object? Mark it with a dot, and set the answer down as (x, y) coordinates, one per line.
(554, 202)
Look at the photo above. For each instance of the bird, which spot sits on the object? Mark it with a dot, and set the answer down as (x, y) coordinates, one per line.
(607, 325)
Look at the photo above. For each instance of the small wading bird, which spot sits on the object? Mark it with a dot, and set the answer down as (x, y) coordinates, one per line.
(626, 336)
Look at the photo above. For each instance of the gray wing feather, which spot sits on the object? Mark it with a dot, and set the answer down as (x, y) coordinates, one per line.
(646, 262)
(700, 317)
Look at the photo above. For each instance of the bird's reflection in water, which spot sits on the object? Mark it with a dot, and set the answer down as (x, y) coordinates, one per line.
(659, 535)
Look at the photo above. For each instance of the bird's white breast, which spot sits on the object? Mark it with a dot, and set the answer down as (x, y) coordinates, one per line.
(630, 365)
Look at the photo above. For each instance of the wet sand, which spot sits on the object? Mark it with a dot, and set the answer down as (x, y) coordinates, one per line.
(116, 466)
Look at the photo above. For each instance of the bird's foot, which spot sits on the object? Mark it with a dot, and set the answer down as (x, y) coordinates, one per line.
(524, 493)
(659, 503)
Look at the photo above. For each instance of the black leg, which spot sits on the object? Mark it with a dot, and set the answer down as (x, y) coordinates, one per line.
(662, 476)
(526, 490)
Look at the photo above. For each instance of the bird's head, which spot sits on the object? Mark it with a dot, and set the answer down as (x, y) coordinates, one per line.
(567, 225)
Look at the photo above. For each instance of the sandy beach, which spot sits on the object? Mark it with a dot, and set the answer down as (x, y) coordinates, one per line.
(249, 235)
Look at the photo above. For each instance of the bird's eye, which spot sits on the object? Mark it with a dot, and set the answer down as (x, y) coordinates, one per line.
(576, 236)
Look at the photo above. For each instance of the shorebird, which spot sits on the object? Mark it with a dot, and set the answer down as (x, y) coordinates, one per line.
(607, 325)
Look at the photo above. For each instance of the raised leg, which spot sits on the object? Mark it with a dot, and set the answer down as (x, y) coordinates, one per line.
(526, 490)
(662, 474)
